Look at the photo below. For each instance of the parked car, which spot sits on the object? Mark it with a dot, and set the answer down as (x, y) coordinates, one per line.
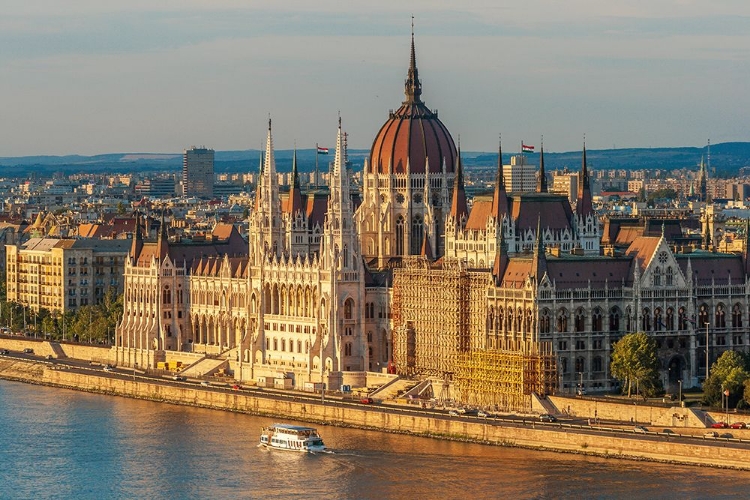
(546, 417)
(178, 378)
(453, 413)
(711, 434)
(236, 387)
(4, 352)
(29, 350)
(738, 425)
(366, 401)
(719, 425)
(206, 383)
(639, 429)
(481, 414)
(667, 431)
(107, 368)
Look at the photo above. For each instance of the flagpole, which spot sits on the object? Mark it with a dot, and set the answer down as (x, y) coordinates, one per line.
(316, 166)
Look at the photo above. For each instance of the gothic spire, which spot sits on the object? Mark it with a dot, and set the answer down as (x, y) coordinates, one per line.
(295, 195)
(500, 196)
(584, 206)
(539, 263)
(541, 182)
(412, 86)
(135, 248)
(162, 241)
(459, 208)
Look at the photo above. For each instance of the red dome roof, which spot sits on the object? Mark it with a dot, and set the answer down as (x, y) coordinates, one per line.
(412, 134)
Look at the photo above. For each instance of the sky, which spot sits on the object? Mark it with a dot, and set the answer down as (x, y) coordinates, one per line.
(158, 76)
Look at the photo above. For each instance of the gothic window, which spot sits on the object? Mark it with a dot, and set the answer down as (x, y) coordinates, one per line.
(628, 320)
(400, 235)
(166, 296)
(596, 364)
(348, 306)
(544, 322)
(702, 316)
(348, 349)
(657, 277)
(669, 278)
(275, 345)
(720, 319)
(417, 235)
(562, 320)
(737, 316)
(283, 344)
(596, 320)
(670, 319)
(564, 363)
(580, 365)
(682, 320)
(580, 324)
(646, 320)
(614, 320)
(658, 323)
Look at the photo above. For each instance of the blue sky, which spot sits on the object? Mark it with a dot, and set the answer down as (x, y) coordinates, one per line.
(88, 77)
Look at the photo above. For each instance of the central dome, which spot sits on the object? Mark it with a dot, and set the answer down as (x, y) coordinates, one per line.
(413, 135)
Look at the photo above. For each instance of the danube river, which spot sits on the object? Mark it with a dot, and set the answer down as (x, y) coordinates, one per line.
(66, 444)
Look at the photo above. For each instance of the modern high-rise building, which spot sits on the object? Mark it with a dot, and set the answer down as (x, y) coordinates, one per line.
(520, 177)
(198, 172)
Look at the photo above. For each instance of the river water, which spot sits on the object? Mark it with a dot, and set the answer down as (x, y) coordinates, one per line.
(65, 444)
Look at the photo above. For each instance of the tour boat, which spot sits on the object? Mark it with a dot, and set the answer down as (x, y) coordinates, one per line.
(292, 437)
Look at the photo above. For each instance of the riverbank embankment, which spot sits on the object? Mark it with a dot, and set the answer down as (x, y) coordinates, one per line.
(534, 436)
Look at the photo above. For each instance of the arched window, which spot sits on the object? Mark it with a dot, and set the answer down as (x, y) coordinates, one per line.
(417, 235)
(658, 322)
(562, 320)
(544, 322)
(670, 319)
(400, 235)
(720, 321)
(596, 320)
(596, 364)
(580, 365)
(564, 363)
(348, 349)
(682, 319)
(657, 277)
(166, 296)
(702, 316)
(669, 278)
(580, 321)
(348, 307)
(737, 316)
(614, 320)
(646, 320)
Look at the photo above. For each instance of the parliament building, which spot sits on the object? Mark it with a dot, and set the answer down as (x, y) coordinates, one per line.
(495, 297)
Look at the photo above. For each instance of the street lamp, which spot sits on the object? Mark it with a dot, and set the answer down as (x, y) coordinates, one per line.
(707, 325)
(680, 394)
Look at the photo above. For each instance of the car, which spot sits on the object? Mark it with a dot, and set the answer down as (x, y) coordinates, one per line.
(178, 378)
(4, 352)
(719, 425)
(366, 401)
(667, 431)
(29, 350)
(482, 414)
(581, 392)
(206, 383)
(107, 368)
(546, 417)
(49, 356)
(236, 387)
(453, 413)
(639, 429)
(738, 425)
(711, 434)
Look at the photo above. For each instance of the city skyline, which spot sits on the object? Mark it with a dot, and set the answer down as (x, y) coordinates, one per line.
(89, 78)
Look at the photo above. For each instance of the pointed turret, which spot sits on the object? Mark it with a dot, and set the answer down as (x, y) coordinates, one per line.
(583, 202)
(501, 263)
(137, 245)
(500, 196)
(162, 241)
(703, 182)
(539, 263)
(459, 210)
(541, 182)
(412, 86)
(746, 252)
(426, 251)
(295, 194)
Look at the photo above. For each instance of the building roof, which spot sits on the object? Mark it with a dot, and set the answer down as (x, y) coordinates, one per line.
(554, 210)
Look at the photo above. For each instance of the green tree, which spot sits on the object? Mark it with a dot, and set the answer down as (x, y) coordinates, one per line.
(728, 373)
(634, 362)
(120, 208)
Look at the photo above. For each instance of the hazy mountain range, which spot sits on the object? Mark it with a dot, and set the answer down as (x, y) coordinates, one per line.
(726, 159)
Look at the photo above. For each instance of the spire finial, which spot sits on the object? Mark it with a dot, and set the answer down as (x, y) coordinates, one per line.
(269, 121)
(413, 89)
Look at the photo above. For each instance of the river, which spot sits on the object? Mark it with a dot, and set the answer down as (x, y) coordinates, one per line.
(66, 444)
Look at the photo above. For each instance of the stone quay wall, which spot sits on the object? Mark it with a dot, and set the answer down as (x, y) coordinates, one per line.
(549, 438)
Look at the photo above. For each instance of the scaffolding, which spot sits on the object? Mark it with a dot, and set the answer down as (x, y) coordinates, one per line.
(440, 330)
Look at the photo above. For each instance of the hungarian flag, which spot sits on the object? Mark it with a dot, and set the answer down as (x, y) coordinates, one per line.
(322, 151)
(526, 148)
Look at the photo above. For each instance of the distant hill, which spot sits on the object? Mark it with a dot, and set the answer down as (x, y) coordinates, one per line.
(726, 159)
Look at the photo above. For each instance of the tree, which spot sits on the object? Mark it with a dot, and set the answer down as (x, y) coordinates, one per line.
(728, 373)
(634, 361)
(121, 208)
